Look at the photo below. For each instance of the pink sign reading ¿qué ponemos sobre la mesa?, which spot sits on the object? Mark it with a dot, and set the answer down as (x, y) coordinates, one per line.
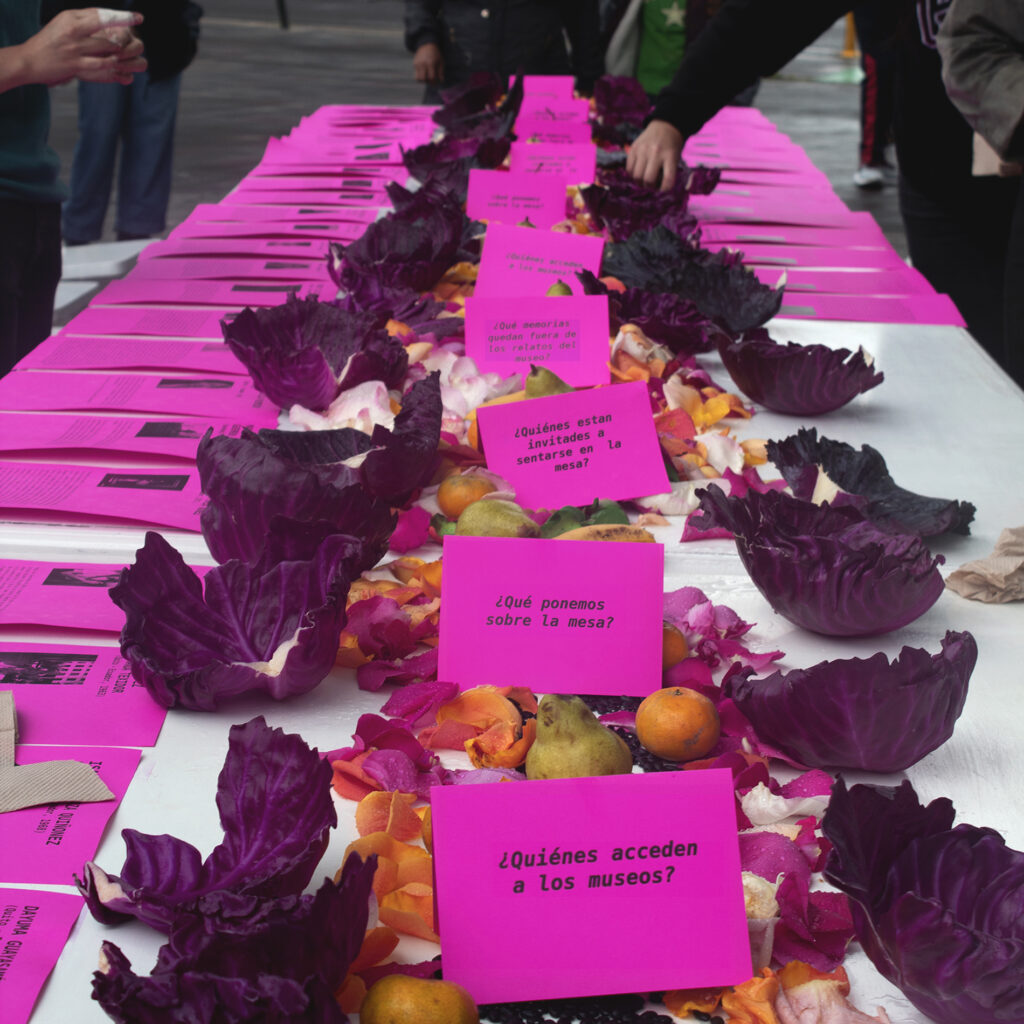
(514, 198)
(34, 926)
(574, 448)
(622, 883)
(567, 334)
(549, 614)
(519, 261)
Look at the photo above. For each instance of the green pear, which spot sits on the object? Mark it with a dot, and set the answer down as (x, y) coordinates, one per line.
(495, 517)
(541, 382)
(558, 288)
(571, 743)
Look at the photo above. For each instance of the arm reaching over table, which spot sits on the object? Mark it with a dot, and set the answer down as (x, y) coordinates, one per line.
(744, 41)
(94, 45)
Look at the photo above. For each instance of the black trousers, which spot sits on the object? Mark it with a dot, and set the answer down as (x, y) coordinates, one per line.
(30, 268)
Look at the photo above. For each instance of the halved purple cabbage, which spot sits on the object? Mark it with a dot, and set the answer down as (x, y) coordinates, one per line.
(275, 806)
(621, 98)
(864, 475)
(862, 713)
(305, 352)
(249, 487)
(270, 627)
(446, 164)
(476, 109)
(825, 568)
(624, 208)
(719, 285)
(938, 910)
(234, 959)
(799, 380)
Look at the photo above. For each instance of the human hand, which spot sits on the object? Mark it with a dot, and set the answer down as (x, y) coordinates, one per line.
(427, 63)
(92, 44)
(655, 155)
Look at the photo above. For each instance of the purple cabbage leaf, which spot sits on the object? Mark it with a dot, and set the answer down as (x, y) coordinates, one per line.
(249, 487)
(275, 806)
(623, 209)
(621, 99)
(658, 260)
(798, 380)
(938, 910)
(305, 352)
(825, 568)
(862, 713)
(864, 475)
(272, 626)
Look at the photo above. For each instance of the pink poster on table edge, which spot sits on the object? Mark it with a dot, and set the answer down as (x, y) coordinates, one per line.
(49, 844)
(596, 880)
(66, 694)
(551, 614)
(76, 352)
(567, 334)
(513, 198)
(903, 309)
(574, 448)
(34, 928)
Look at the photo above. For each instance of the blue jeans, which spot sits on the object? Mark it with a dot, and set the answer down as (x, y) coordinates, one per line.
(141, 116)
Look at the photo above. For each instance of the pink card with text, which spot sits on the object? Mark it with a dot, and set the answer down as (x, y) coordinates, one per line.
(595, 880)
(513, 198)
(211, 268)
(49, 844)
(552, 615)
(559, 133)
(552, 87)
(887, 309)
(28, 433)
(547, 108)
(76, 695)
(248, 248)
(524, 261)
(128, 321)
(848, 282)
(567, 334)
(74, 352)
(63, 594)
(34, 926)
(817, 256)
(575, 163)
(165, 497)
(572, 449)
(219, 294)
(737, 235)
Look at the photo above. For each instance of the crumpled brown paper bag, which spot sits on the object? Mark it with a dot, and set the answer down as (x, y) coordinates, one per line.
(998, 578)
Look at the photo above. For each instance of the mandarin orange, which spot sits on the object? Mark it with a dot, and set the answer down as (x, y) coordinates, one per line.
(678, 724)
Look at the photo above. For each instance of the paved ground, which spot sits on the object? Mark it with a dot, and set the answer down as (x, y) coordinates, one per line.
(252, 80)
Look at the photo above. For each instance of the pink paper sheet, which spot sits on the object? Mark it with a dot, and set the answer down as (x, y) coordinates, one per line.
(223, 398)
(244, 248)
(219, 294)
(575, 163)
(816, 179)
(552, 615)
(274, 182)
(763, 211)
(226, 212)
(549, 86)
(818, 256)
(327, 230)
(903, 309)
(571, 449)
(28, 433)
(513, 198)
(847, 282)
(568, 335)
(162, 323)
(78, 695)
(524, 261)
(622, 883)
(70, 352)
(546, 108)
(165, 497)
(736, 236)
(559, 133)
(212, 268)
(63, 594)
(287, 197)
(34, 926)
(49, 844)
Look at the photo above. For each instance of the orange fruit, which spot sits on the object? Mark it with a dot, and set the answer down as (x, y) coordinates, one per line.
(673, 646)
(678, 724)
(458, 491)
(399, 999)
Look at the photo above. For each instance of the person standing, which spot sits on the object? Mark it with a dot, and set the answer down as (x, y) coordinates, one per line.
(142, 119)
(89, 45)
(452, 39)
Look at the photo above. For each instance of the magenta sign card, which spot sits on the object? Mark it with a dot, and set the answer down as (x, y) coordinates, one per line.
(576, 162)
(49, 844)
(78, 352)
(78, 695)
(162, 323)
(546, 108)
(571, 449)
(512, 198)
(64, 594)
(523, 261)
(552, 615)
(561, 133)
(34, 926)
(567, 334)
(167, 497)
(214, 269)
(595, 880)
(552, 87)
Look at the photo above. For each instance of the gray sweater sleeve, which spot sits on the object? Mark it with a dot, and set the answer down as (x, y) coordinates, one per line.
(982, 47)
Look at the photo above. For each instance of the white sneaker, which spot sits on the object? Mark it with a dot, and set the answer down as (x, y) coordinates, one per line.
(869, 177)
